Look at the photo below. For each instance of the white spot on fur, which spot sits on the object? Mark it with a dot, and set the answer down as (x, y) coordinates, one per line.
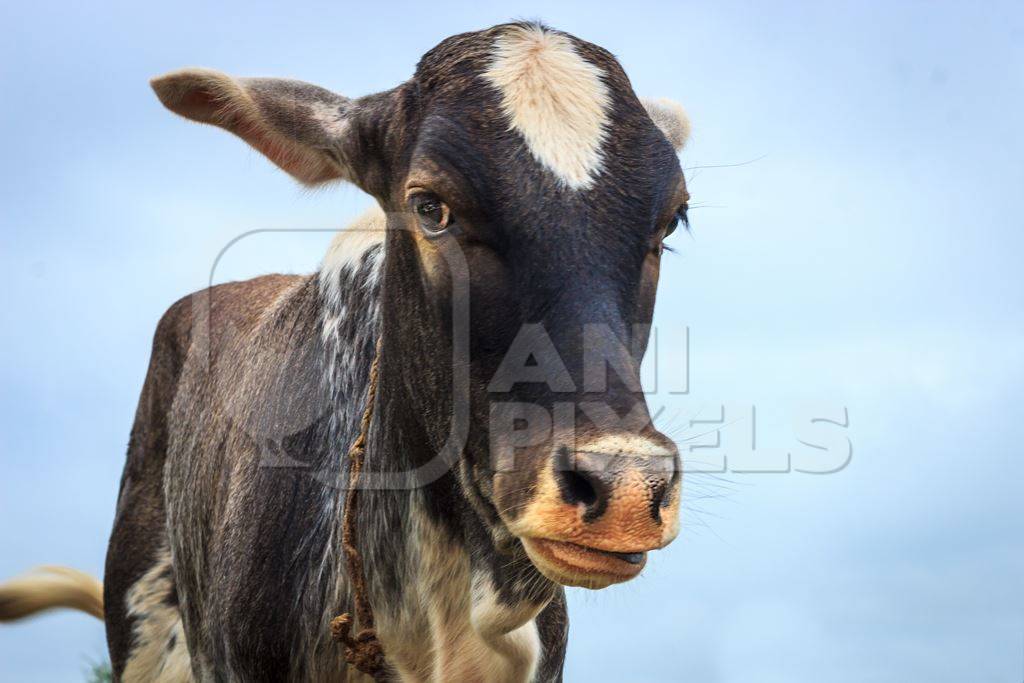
(457, 630)
(347, 250)
(509, 630)
(554, 98)
(159, 653)
(331, 118)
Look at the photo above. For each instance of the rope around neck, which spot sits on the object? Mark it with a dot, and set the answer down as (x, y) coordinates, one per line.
(363, 651)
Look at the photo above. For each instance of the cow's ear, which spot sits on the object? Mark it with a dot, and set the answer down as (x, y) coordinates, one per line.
(306, 130)
(671, 118)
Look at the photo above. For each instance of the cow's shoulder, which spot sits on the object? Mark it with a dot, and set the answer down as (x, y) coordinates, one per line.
(221, 311)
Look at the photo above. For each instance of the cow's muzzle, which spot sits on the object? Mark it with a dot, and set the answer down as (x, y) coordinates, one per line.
(599, 508)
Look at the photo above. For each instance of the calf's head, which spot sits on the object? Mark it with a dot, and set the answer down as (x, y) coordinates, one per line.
(528, 150)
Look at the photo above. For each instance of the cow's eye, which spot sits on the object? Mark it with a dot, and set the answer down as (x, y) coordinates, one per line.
(679, 217)
(434, 215)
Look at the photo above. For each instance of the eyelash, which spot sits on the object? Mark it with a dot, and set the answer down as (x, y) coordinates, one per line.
(681, 217)
(684, 216)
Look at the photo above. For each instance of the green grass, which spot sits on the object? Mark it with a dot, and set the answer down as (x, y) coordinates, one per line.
(98, 672)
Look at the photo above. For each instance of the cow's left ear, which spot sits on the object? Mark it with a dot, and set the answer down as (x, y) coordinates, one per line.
(671, 118)
(308, 131)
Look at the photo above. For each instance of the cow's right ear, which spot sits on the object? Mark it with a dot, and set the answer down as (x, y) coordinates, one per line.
(310, 132)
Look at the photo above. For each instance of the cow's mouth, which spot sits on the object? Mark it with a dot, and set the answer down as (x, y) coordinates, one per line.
(571, 564)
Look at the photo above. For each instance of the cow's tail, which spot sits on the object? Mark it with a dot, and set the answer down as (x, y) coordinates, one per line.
(48, 588)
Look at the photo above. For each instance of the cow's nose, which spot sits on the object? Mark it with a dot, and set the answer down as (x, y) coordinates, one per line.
(598, 508)
(629, 478)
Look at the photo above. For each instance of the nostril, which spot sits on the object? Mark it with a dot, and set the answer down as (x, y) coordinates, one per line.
(677, 471)
(661, 490)
(576, 488)
(658, 491)
(580, 487)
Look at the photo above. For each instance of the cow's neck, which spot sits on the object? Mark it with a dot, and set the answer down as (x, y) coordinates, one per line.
(449, 604)
(439, 585)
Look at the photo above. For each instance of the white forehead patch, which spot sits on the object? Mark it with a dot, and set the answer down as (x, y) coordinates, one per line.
(554, 98)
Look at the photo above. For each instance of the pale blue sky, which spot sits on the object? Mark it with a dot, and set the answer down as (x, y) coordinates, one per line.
(868, 256)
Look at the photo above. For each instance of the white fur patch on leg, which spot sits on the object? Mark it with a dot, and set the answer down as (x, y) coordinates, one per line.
(554, 98)
(159, 652)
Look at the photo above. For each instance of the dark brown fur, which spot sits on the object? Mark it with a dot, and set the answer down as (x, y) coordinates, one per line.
(230, 309)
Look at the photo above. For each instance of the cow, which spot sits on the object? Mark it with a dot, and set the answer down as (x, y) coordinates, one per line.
(501, 291)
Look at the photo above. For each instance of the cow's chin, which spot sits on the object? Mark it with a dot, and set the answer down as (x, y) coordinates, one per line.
(571, 564)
